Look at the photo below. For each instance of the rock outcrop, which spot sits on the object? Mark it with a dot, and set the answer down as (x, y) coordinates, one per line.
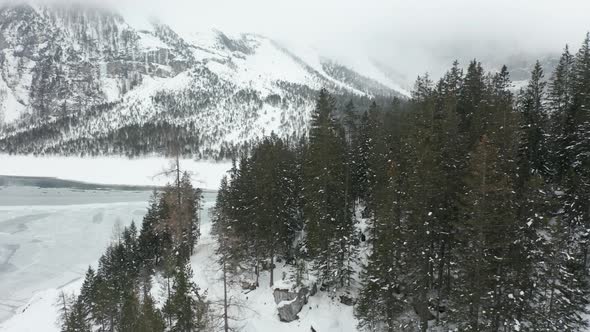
(290, 303)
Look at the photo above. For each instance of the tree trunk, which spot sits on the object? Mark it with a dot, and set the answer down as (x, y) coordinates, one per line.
(225, 322)
(441, 267)
(65, 309)
(168, 287)
(256, 271)
(272, 267)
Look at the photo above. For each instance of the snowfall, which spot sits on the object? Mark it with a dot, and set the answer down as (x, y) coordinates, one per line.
(49, 236)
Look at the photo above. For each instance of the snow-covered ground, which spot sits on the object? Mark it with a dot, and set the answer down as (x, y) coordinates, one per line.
(112, 170)
(255, 311)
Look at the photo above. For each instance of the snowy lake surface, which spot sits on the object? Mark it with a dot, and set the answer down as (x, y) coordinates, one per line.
(49, 236)
(112, 170)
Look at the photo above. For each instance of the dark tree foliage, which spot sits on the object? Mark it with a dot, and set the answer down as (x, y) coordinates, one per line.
(116, 297)
(257, 214)
(486, 212)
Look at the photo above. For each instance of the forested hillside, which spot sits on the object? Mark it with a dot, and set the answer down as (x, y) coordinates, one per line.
(477, 200)
(466, 208)
(79, 79)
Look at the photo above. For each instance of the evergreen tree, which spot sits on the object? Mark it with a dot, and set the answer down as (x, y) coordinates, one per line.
(560, 100)
(76, 320)
(87, 295)
(188, 308)
(326, 206)
(470, 101)
(130, 312)
(533, 143)
(150, 318)
(369, 154)
(577, 205)
(479, 290)
(150, 248)
(528, 252)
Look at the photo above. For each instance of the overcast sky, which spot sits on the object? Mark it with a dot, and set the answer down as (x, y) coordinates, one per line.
(412, 35)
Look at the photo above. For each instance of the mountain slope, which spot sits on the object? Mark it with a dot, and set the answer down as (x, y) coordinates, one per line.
(79, 80)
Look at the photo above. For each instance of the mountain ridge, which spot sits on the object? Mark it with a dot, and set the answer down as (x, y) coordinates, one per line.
(72, 74)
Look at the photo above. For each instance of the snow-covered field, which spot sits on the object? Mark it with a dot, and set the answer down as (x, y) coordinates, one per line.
(145, 171)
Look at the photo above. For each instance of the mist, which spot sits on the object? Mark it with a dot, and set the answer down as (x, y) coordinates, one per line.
(411, 37)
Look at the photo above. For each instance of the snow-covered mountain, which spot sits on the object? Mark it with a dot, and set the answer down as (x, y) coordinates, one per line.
(77, 79)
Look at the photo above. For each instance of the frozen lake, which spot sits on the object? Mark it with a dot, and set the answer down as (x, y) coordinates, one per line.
(49, 236)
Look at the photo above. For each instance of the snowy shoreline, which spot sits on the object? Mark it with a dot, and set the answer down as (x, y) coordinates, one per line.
(113, 171)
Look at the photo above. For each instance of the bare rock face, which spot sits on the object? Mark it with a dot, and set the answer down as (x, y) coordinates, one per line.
(290, 303)
(64, 58)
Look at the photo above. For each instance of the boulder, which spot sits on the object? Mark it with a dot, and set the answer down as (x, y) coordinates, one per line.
(346, 300)
(292, 303)
(281, 295)
(288, 310)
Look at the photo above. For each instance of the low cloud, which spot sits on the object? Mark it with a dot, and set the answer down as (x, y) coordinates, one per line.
(410, 36)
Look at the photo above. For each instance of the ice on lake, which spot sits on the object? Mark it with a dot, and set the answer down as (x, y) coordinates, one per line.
(49, 236)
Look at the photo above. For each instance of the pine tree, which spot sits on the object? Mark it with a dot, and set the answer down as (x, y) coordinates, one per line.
(64, 304)
(369, 154)
(393, 280)
(533, 143)
(562, 290)
(87, 295)
(470, 101)
(480, 289)
(222, 230)
(191, 204)
(150, 318)
(560, 99)
(150, 248)
(130, 312)
(533, 205)
(577, 206)
(130, 251)
(76, 320)
(326, 210)
(381, 300)
(452, 159)
(188, 308)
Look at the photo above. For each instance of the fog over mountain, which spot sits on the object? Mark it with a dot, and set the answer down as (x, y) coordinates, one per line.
(411, 37)
(75, 76)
